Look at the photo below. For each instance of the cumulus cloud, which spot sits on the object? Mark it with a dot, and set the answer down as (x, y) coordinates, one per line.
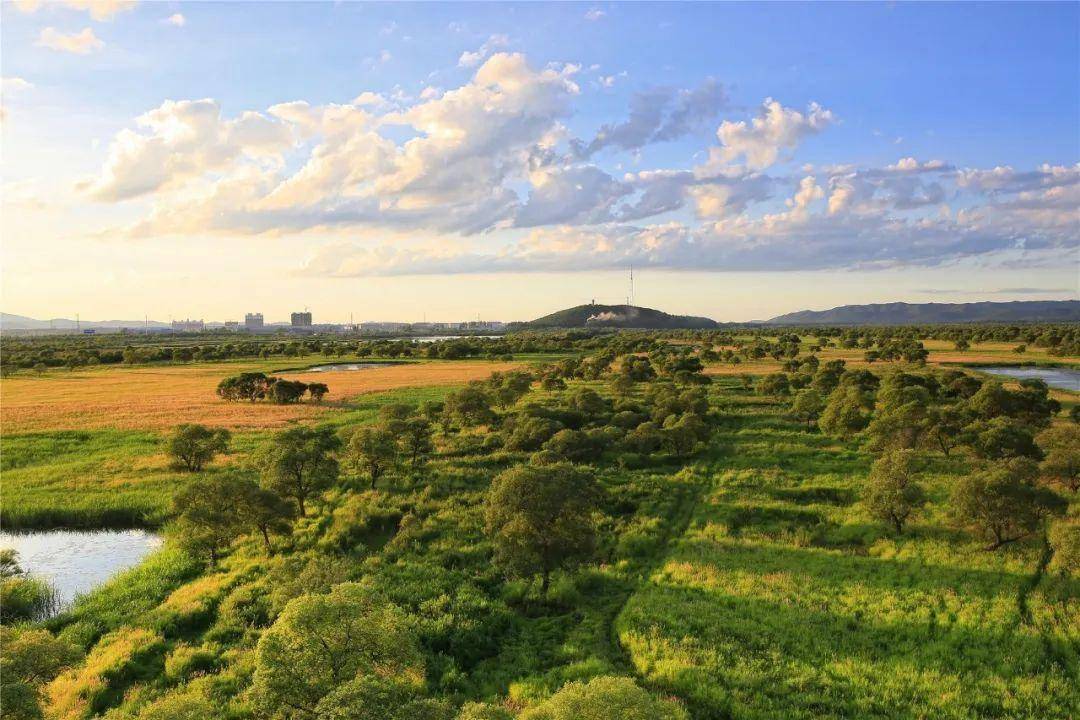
(80, 43)
(491, 169)
(759, 143)
(181, 140)
(176, 20)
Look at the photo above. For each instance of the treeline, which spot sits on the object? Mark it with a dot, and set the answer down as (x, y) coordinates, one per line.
(729, 345)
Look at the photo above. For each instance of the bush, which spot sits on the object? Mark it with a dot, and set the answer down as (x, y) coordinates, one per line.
(605, 698)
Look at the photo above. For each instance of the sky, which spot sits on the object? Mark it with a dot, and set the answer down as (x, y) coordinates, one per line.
(447, 162)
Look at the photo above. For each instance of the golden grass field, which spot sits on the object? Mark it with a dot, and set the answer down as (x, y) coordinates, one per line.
(151, 398)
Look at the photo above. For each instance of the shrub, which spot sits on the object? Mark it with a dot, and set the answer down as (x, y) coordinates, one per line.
(605, 698)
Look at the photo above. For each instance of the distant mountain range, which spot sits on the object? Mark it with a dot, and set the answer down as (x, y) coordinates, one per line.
(926, 313)
(21, 322)
(619, 316)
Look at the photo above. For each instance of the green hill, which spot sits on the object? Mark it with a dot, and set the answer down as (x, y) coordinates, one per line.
(619, 316)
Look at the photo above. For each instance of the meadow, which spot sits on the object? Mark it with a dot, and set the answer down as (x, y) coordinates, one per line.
(744, 581)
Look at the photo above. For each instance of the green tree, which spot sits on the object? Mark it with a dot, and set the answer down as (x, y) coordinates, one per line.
(945, 425)
(891, 493)
(321, 643)
(416, 441)
(1000, 438)
(902, 415)
(30, 659)
(605, 698)
(317, 391)
(470, 406)
(846, 412)
(250, 386)
(299, 462)
(284, 392)
(542, 518)
(207, 514)
(373, 450)
(1000, 502)
(193, 446)
(807, 405)
(264, 511)
(1061, 446)
(774, 384)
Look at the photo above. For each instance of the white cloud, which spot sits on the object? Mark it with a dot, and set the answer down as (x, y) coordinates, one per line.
(472, 59)
(183, 140)
(489, 172)
(99, 10)
(595, 14)
(81, 43)
(176, 20)
(776, 128)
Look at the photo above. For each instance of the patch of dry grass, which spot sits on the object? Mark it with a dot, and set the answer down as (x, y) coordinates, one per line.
(163, 397)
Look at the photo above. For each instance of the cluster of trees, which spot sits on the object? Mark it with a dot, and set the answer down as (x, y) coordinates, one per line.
(1020, 461)
(252, 386)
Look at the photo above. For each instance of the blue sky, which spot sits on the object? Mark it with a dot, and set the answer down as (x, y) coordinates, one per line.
(443, 152)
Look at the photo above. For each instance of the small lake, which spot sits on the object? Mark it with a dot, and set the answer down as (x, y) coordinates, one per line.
(338, 367)
(1061, 378)
(77, 561)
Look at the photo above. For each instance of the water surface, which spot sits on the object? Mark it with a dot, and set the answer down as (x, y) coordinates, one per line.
(346, 366)
(1061, 378)
(77, 561)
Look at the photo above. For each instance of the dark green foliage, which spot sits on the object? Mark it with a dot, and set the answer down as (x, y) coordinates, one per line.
(542, 518)
(891, 493)
(284, 392)
(250, 386)
(372, 450)
(299, 463)
(1001, 503)
(193, 446)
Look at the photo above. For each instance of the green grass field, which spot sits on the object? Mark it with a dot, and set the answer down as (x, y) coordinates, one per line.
(747, 582)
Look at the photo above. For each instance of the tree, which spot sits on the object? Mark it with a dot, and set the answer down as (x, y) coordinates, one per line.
(470, 406)
(1061, 446)
(193, 446)
(890, 493)
(541, 518)
(807, 405)
(774, 384)
(250, 386)
(683, 433)
(284, 392)
(299, 463)
(646, 438)
(372, 450)
(962, 345)
(416, 441)
(1000, 503)
(317, 391)
(902, 416)
(30, 659)
(264, 511)
(322, 642)
(1000, 438)
(393, 416)
(605, 698)
(945, 426)
(846, 412)
(207, 512)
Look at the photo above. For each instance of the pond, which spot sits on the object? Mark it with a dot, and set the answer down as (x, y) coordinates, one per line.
(346, 366)
(77, 561)
(1061, 378)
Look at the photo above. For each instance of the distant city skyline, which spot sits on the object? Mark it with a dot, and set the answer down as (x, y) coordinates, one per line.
(399, 161)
